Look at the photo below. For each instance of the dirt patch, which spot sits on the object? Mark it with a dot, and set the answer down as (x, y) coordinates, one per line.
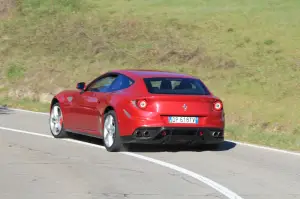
(6, 7)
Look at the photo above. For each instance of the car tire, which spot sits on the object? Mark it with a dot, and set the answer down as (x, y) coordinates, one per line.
(111, 136)
(56, 122)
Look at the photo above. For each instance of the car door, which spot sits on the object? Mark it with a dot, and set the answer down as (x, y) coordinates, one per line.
(89, 102)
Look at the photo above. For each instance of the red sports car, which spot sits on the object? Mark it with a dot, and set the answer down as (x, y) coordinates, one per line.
(140, 106)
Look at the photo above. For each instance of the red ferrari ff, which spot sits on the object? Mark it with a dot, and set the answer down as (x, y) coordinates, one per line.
(140, 106)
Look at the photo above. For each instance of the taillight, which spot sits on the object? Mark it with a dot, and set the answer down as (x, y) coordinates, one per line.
(217, 106)
(142, 104)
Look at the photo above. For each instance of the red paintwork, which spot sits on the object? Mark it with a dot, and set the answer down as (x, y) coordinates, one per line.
(85, 112)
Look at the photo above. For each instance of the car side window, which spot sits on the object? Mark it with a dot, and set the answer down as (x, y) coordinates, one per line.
(120, 83)
(102, 84)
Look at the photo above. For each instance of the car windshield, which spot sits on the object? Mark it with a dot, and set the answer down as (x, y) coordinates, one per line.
(180, 86)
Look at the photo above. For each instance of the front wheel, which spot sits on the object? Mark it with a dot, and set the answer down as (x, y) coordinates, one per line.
(56, 122)
(111, 136)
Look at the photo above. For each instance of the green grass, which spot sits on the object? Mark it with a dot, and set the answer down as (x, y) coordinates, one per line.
(25, 104)
(246, 51)
(15, 72)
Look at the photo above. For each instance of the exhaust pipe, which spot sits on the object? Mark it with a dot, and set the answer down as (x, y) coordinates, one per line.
(216, 134)
(146, 134)
(138, 134)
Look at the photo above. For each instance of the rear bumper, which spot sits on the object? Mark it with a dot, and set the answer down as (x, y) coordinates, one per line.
(175, 135)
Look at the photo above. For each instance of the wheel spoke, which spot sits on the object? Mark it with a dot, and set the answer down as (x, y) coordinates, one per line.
(55, 127)
(108, 122)
(110, 140)
(106, 136)
(52, 125)
(109, 131)
(112, 131)
(55, 112)
(56, 120)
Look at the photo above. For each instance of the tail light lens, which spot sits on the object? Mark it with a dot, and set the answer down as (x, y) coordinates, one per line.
(142, 104)
(218, 106)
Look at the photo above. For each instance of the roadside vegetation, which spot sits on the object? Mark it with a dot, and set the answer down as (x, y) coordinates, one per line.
(246, 51)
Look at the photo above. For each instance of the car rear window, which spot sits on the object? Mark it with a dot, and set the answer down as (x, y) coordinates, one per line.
(180, 86)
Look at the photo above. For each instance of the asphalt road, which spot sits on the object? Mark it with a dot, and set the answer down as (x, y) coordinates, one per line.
(34, 167)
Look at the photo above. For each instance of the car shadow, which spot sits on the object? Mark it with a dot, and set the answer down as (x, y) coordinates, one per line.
(5, 110)
(225, 146)
(144, 148)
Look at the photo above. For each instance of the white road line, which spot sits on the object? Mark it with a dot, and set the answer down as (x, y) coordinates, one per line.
(265, 148)
(26, 111)
(223, 190)
(236, 142)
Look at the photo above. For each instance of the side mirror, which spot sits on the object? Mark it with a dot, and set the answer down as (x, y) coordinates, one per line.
(80, 85)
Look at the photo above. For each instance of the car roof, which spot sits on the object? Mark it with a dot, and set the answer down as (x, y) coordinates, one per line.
(141, 73)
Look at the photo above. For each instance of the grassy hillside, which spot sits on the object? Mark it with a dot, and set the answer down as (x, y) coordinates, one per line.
(246, 51)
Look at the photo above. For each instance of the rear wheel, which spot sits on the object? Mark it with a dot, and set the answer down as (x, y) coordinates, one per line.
(111, 136)
(56, 122)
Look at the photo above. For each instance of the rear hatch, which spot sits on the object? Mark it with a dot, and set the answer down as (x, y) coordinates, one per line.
(179, 105)
(179, 100)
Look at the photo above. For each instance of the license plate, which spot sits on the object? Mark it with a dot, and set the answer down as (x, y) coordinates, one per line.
(183, 120)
